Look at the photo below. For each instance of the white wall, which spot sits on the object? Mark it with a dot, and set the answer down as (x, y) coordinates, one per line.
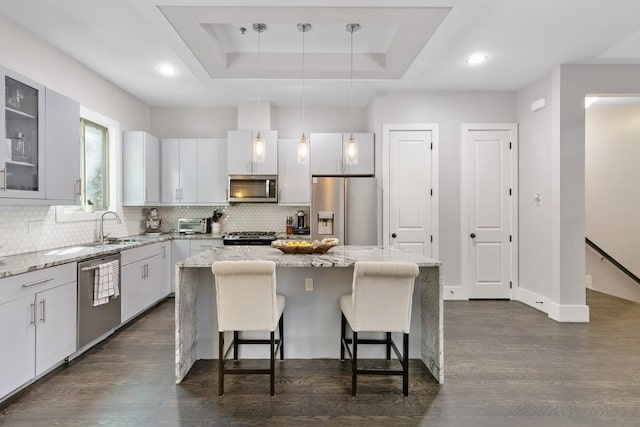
(193, 122)
(450, 110)
(612, 152)
(288, 120)
(535, 158)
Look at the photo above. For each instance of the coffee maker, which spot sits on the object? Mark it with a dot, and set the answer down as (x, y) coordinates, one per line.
(153, 222)
(302, 223)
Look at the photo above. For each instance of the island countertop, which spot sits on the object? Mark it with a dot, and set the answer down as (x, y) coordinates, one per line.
(339, 256)
(313, 315)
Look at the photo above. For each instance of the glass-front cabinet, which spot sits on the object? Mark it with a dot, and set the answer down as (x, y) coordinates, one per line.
(21, 131)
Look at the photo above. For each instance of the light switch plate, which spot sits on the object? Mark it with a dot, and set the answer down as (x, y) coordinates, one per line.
(308, 284)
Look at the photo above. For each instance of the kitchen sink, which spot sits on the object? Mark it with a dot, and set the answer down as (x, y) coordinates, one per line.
(108, 244)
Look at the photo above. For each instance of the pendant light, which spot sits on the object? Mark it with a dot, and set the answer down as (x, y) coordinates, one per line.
(352, 143)
(259, 148)
(303, 143)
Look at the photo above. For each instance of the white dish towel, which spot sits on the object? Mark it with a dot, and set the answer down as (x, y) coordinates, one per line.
(106, 282)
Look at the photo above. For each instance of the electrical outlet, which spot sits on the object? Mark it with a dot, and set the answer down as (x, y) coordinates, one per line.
(35, 227)
(308, 284)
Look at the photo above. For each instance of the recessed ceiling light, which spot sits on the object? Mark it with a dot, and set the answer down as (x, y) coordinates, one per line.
(477, 58)
(167, 70)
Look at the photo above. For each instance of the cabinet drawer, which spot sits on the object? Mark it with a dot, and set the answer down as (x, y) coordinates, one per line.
(198, 246)
(129, 256)
(17, 286)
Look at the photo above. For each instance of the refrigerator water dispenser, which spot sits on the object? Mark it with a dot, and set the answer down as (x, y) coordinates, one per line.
(325, 223)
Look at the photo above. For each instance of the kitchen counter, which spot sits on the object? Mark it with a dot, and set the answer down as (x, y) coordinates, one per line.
(31, 261)
(312, 318)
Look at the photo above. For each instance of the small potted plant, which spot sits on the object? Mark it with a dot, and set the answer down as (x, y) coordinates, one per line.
(215, 218)
(89, 206)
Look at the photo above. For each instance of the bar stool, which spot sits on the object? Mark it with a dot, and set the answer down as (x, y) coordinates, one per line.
(246, 301)
(380, 302)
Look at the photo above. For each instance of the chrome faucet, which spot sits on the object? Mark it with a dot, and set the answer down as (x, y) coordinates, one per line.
(102, 236)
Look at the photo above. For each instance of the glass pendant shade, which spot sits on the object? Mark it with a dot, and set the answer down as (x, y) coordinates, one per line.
(303, 150)
(259, 149)
(352, 151)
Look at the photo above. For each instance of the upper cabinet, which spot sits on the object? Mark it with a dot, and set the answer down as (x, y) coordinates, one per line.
(212, 171)
(293, 178)
(179, 172)
(62, 137)
(328, 154)
(240, 153)
(22, 154)
(140, 169)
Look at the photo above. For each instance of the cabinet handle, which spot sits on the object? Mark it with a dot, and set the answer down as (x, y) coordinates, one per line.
(177, 195)
(33, 313)
(164, 252)
(4, 179)
(146, 194)
(42, 309)
(27, 285)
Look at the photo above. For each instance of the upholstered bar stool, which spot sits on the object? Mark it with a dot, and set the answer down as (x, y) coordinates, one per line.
(246, 301)
(380, 302)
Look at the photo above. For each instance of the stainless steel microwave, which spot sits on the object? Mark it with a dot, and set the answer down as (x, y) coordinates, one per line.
(253, 188)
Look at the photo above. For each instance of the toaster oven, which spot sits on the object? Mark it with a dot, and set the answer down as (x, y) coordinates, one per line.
(194, 225)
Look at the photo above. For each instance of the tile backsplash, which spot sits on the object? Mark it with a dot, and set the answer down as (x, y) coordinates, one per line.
(29, 228)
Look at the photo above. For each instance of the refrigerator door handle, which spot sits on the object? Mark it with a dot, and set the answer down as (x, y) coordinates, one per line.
(344, 214)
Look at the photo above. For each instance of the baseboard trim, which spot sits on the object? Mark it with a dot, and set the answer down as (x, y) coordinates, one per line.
(569, 313)
(532, 299)
(454, 293)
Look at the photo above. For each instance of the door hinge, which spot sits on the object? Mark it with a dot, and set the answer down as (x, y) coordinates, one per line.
(431, 238)
(510, 285)
(509, 145)
(509, 191)
(431, 146)
(510, 238)
(431, 192)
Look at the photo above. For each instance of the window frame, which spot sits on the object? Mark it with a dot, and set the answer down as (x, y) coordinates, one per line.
(76, 212)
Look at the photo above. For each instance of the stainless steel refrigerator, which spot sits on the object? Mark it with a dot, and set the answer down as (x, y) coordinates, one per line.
(346, 208)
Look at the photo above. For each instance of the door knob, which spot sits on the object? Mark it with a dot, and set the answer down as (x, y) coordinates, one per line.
(393, 235)
(472, 235)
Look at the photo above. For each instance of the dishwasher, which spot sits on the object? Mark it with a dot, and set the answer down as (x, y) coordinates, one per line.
(95, 321)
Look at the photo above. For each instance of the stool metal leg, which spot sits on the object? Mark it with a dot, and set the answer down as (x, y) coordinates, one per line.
(388, 345)
(272, 361)
(220, 363)
(405, 365)
(343, 327)
(281, 329)
(354, 365)
(236, 336)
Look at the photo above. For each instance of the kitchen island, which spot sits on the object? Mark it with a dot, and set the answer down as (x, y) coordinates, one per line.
(311, 316)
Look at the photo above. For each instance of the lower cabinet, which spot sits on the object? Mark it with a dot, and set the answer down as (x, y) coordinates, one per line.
(143, 278)
(37, 324)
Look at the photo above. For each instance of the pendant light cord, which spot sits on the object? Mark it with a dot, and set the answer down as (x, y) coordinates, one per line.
(351, 85)
(303, 92)
(259, 80)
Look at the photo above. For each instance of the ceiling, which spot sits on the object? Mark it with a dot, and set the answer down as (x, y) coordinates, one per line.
(402, 45)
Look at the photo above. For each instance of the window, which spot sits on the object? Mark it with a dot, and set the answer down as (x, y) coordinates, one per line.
(95, 164)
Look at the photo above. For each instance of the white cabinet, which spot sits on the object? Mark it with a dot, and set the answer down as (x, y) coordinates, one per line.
(38, 318)
(62, 154)
(293, 178)
(240, 153)
(22, 153)
(143, 281)
(18, 338)
(212, 171)
(328, 154)
(179, 173)
(180, 249)
(56, 325)
(164, 287)
(140, 169)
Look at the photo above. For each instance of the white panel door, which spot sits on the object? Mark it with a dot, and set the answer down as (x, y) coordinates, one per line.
(411, 191)
(489, 213)
(56, 325)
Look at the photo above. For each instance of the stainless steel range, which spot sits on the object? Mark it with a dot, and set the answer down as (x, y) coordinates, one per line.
(249, 238)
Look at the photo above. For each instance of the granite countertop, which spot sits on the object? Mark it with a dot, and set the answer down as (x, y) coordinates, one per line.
(339, 256)
(31, 261)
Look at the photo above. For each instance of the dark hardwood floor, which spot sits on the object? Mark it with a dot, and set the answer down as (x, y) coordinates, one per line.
(506, 365)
